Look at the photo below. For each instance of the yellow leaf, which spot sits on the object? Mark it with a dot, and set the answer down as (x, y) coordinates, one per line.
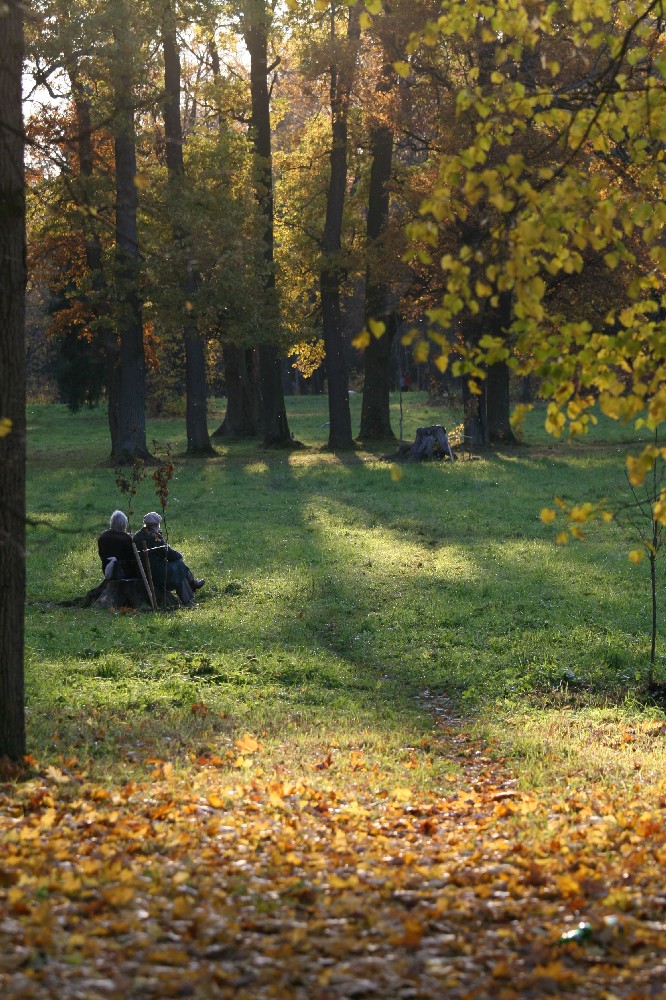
(5, 426)
(364, 20)
(402, 794)
(568, 885)
(421, 352)
(401, 68)
(377, 328)
(119, 895)
(636, 555)
(337, 882)
(55, 774)
(182, 907)
(374, 6)
(548, 515)
(141, 181)
(442, 362)
(248, 744)
(396, 472)
(362, 341)
(562, 538)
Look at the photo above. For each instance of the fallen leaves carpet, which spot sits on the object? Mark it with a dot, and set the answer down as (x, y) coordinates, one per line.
(274, 886)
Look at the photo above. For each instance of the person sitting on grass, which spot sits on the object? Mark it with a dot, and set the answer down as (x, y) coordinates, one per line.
(167, 566)
(115, 550)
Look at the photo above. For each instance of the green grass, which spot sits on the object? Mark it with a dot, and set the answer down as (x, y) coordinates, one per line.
(336, 597)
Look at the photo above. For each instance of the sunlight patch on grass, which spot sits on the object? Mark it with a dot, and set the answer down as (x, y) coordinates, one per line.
(587, 745)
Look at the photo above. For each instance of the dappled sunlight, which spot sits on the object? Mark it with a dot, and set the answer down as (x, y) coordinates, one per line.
(258, 468)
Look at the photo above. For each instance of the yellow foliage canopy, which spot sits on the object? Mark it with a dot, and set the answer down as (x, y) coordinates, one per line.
(559, 187)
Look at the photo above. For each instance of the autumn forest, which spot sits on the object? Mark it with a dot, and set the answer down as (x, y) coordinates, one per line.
(408, 737)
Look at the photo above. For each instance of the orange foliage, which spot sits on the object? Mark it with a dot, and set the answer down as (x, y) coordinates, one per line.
(279, 886)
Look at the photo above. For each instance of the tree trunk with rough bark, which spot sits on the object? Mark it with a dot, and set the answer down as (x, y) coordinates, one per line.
(241, 419)
(498, 402)
(196, 411)
(94, 261)
(375, 407)
(12, 387)
(474, 416)
(131, 443)
(330, 277)
(273, 412)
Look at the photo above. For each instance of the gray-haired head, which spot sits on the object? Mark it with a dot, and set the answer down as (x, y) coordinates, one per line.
(118, 521)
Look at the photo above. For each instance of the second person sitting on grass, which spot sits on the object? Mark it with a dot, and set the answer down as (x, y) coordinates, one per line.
(167, 566)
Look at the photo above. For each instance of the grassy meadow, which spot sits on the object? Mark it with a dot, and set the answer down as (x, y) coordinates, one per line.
(343, 607)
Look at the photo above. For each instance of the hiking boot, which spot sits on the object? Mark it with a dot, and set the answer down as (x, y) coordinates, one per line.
(197, 584)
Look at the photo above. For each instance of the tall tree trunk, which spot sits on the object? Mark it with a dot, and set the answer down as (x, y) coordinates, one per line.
(375, 408)
(94, 260)
(196, 413)
(474, 416)
(330, 276)
(241, 419)
(498, 402)
(131, 443)
(498, 405)
(273, 412)
(12, 386)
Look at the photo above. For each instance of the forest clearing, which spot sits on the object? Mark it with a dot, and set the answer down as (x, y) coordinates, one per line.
(402, 746)
(338, 326)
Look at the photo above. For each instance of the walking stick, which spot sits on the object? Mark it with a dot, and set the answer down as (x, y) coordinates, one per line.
(151, 596)
(149, 572)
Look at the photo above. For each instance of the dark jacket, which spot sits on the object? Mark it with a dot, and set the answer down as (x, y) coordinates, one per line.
(118, 544)
(166, 564)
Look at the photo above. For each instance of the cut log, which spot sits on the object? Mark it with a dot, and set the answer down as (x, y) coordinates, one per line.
(125, 594)
(430, 442)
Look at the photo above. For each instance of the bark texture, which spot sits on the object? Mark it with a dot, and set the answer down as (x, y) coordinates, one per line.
(498, 400)
(131, 442)
(196, 410)
(94, 260)
(273, 412)
(241, 419)
(375, 407)
(12, 387)
(331, 273)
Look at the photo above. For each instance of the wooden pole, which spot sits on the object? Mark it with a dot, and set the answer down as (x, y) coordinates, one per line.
(149, 572)
(151, 595)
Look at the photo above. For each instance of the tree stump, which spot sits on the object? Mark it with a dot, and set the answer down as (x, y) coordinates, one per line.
(430, 442)
(125, 594)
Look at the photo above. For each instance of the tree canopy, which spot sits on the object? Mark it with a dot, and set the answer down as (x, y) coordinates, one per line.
(552, 195)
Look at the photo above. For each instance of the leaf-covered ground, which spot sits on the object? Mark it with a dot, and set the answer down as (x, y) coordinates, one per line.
(232, 877)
